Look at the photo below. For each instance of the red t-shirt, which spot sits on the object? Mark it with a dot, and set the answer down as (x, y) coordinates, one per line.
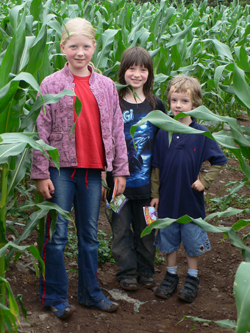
(89, 144)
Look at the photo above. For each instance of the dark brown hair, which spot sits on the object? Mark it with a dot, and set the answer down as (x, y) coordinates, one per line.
(137, 56)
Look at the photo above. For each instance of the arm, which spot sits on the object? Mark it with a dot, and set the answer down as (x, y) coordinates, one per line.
(155, 184)
(204, 182)
(120, 162)
(40, 164)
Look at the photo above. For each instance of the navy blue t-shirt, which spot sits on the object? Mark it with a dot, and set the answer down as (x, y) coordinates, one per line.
(138, 183)
(179, 165)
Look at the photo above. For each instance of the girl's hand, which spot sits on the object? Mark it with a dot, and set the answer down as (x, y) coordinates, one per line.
(155, 203)
(198, 186)
(121, 185)
(45, 187)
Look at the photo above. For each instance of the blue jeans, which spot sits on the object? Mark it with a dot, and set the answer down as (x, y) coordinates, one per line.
(83, 189)
(133, 255)
(194, 239)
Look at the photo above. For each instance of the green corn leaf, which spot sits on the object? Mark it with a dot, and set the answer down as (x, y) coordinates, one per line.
(241, 88)
(40, 101)
(242, 297)
(15, 143)
(107, 39)
(222, 323)
(176, 38)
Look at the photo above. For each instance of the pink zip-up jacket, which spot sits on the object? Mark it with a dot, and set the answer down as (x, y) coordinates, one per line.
(54, 126)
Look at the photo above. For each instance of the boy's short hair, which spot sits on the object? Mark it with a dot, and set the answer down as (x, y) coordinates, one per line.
(186, 84)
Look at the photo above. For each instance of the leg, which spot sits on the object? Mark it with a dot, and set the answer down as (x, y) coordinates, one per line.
(123, 243)
(195, 242)
(170, 281)
(87, 204)
(54, 288)
(172, 259)
(192, 262)
(144, 246)
(169, 240)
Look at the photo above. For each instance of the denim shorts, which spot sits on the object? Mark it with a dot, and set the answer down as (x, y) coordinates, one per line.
(194, 239)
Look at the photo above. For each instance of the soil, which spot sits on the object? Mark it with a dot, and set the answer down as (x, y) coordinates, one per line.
(215, 300)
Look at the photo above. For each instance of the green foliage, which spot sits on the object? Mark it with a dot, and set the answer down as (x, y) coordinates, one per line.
(158, 258)
(104, 249)
(210, 43)
(232, 199)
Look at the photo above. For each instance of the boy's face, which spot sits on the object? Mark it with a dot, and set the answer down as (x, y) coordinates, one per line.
(180, 102)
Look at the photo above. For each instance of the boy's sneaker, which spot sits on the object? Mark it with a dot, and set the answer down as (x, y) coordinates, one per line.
(168, 285)
(62, 311)
(129, 284)
(147, 281)
(190, 289)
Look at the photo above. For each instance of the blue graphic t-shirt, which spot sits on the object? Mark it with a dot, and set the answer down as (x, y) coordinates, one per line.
(138, 183)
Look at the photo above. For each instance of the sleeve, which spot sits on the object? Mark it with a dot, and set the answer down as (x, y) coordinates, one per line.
(40, 164)
(213, 153)
(155, 183)
(211, 175)
(120, 162)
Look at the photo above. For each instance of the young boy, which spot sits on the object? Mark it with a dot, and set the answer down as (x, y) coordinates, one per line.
(177, 189)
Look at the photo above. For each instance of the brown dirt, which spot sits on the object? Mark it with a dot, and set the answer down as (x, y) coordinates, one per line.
(215, 300)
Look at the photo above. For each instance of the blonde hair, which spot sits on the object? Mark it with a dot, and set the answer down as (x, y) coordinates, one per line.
(79, 26)
(75, 27)
(186, 84)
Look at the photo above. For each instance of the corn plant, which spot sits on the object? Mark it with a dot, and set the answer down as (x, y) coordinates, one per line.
(196, 39)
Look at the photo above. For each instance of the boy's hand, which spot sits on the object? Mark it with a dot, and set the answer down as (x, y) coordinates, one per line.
(198, 186)
(121, 185)
(155, 203)
(45, 187)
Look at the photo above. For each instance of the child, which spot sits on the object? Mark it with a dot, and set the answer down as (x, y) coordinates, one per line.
(135, 255)
(97, 141)
(177, 188)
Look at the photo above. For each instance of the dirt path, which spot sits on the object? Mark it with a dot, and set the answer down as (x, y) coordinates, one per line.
(142, 311)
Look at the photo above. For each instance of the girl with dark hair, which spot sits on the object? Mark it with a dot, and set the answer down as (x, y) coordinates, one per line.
(134, 255)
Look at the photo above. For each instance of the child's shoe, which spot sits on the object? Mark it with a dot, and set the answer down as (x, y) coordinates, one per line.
(129, 284)
(168, 285)
(147, 281)
(190, 289)
(63, 310)
(105, 305)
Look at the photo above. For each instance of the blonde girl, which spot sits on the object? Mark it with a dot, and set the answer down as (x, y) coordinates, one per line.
(96, 143)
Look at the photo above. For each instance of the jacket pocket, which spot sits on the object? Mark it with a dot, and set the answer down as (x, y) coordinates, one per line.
(55, 140)
(55, 137)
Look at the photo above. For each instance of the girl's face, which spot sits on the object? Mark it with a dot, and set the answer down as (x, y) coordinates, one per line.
(180, 102)
(78, 50)
(136, 76)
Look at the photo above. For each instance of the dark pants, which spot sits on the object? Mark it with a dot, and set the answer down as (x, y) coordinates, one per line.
(133, 255)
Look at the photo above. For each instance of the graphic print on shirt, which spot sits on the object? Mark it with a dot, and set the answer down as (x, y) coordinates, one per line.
(140, 158)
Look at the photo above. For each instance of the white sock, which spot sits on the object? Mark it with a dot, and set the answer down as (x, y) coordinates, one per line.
(172, 270)
(193, 272)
